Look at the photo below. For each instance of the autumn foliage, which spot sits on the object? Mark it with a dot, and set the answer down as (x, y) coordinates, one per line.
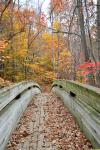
(42, 47)
(58, 5)
(87, 70)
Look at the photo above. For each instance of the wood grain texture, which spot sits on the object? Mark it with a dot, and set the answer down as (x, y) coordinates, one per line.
(84, 93)
(11, 114)
(12, 108)
(86, 114)
(7, 94)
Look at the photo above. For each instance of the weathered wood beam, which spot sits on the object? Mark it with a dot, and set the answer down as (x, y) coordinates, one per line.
(84, 106)
(14, 107)
(7, 94)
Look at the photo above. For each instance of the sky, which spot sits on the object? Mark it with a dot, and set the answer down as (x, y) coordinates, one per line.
(45, 6)
(34, 4)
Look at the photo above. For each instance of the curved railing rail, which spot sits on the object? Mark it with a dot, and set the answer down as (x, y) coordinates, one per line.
(13, 101)
(7, 94)
(83, 102)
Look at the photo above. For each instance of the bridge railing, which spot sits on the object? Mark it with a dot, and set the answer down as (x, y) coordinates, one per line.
(7, 94)
(13, 101)
(83, 102)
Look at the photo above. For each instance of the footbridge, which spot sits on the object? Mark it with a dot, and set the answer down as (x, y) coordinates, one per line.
(31, 119)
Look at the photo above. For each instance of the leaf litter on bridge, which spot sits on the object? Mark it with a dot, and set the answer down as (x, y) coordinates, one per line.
(47, 125)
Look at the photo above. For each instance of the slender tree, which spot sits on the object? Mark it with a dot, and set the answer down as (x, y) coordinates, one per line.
(82, 29)
(98, 40)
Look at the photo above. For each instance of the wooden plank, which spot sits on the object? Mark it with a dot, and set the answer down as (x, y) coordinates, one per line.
(84, 93)
(12, 113)
(86, 116)
(7, 94)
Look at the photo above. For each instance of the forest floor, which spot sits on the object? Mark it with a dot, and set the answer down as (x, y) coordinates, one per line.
(47, 125)
(4, 83)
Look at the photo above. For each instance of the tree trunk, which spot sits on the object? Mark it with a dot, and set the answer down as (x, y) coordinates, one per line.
(91, 55)
(58, 61)
(89, 34)
(53, 53)
(82, 29)
(91, 80)
(98, 41)
(98, 27)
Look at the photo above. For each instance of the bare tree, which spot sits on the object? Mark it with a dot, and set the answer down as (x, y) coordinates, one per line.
(82, 29)
(98, 27)
(91, 55)
(98, 40)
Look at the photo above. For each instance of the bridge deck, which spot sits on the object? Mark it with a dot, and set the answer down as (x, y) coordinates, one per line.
(47, 125)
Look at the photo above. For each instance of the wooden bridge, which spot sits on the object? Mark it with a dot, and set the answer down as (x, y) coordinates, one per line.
(82, 101)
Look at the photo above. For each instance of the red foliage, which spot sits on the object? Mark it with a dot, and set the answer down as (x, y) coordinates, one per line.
(58, 5)
(25, 16)
(88, 70)
(88, 65)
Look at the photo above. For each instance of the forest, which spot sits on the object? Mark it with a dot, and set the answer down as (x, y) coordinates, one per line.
(61, 41)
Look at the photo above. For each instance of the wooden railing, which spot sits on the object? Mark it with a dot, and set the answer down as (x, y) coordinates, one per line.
(13, 101)
(83, 102)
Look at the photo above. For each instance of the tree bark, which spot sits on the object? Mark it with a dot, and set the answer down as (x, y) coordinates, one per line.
(82, 29)
(53, 53)
(98, 41)
(98, 27)
(89, 34)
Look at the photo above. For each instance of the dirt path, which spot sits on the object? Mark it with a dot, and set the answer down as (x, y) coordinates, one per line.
(47, 125)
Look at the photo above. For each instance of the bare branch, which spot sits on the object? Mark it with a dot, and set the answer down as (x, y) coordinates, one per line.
(15, 34)
(6, 6)
(36, 35)
(64, 32)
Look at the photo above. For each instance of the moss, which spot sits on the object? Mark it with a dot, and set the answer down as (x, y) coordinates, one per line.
(88, 99)
(85, 93)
